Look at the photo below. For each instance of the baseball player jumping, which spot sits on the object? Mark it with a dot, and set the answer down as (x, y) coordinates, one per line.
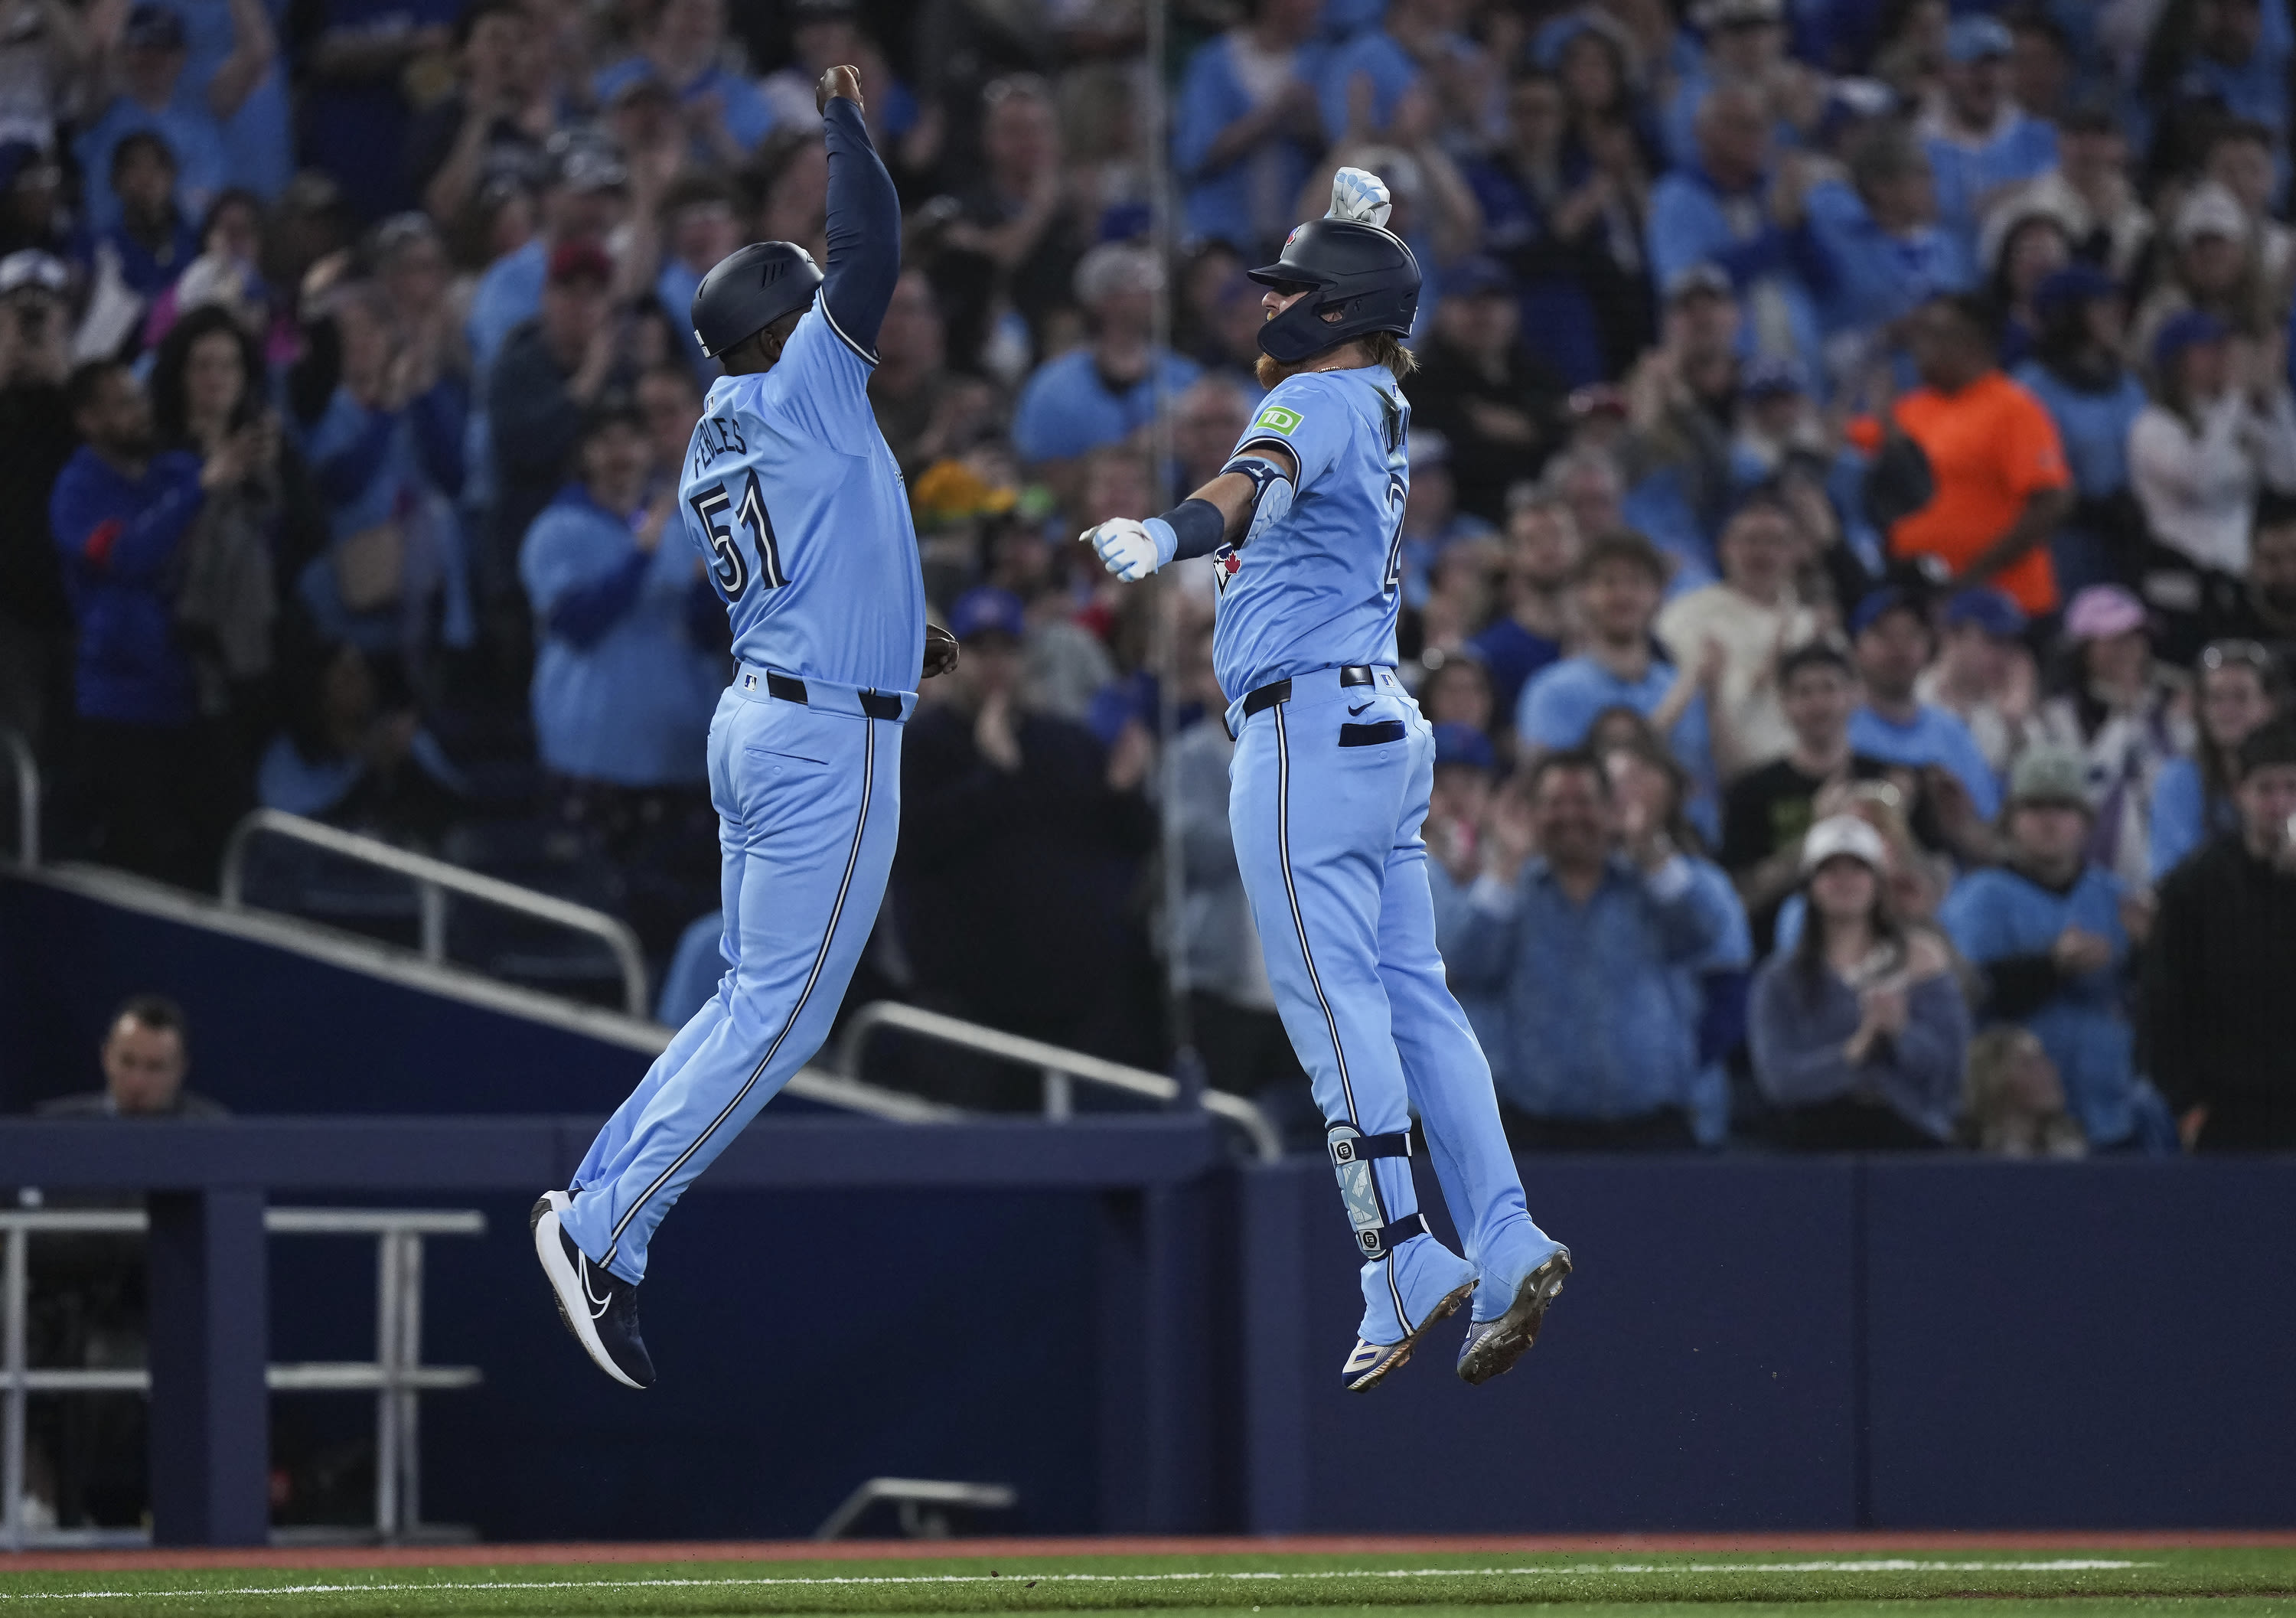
(799, 511)
(1334, 765)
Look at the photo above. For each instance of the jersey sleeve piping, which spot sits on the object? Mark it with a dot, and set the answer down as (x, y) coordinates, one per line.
(866, 358)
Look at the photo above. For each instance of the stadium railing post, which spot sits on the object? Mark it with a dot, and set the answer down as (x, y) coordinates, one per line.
(210, 1422)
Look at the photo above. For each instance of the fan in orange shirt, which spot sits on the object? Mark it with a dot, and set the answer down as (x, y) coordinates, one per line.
(2002, 486)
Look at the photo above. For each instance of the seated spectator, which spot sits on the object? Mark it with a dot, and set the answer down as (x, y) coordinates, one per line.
(1753, 619)
(682, 42)
(1729, 209)
(384, 440)
(1232, 1008)
(1493, 401)
(1587, 941)
(147, 1053)
(1984, 676)
(2216, 435)
(2013, 1102)
(1244, 128)
(158, 788)
(1892, 642)
(150, 241)
(2125, 714)
(552, 369)
(2091, 189)
(1858, 1030)
(1883, 251)
(1768, 811)
(1981, 142)
(150, 61)
(354, 754)
(2192, 797)
(2075, 370)
(1621, 576)
(2000, 482)
(1020, 842)
(2051, 933)
(489, 132)
(1103, 392)
(2220, 1023)
(1542, 558)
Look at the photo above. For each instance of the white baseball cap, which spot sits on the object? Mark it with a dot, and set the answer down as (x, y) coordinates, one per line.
(1844, 834)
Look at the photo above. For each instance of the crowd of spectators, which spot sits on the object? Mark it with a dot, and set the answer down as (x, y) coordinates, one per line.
(1850, 555)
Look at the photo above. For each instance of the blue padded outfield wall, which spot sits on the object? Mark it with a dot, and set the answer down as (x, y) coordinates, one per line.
(1750, 1343)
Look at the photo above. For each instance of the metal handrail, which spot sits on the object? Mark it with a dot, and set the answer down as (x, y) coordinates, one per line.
(27, 795)
(396, 1375)
(433, 880)
(1057, 1065)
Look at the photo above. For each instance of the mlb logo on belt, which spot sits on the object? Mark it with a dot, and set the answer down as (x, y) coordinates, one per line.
(748, 682)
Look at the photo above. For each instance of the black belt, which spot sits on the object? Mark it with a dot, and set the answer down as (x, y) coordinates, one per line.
(1280, 691)
(789, 688)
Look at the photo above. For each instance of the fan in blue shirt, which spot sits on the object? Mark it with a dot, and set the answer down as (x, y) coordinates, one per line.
(157, 96)
(624, 681)
(1981, 142)
(1620, 579)
(1104, 392)
(1893, 644)
(1246, 130)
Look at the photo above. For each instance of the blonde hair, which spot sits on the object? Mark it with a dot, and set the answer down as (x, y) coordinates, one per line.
(1386, 349)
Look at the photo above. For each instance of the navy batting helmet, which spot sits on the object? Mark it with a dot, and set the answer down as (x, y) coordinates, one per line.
(749, 289)
(1364, 274)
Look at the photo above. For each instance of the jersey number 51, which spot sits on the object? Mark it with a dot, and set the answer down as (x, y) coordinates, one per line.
(730, 566)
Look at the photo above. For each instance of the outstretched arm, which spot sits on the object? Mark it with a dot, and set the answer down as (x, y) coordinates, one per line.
(864, 216)
(1223, 510)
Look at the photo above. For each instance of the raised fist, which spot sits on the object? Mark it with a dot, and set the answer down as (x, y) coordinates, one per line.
(1359, 195)
(837, 82)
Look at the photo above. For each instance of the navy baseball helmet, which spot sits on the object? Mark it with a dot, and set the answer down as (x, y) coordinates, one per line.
(749, 289)
(1364, 274)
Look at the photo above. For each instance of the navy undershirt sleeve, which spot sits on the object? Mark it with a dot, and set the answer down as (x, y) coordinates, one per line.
(864, 229)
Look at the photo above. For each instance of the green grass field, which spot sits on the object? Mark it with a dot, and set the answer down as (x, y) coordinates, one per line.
(2102, 1583)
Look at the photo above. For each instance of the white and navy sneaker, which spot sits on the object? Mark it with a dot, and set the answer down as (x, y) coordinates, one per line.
(598, 1306)
(1493, 1346)
(1405, 1291)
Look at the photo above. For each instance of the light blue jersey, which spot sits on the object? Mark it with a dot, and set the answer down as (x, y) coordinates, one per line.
(800, 511)
(1320, 589)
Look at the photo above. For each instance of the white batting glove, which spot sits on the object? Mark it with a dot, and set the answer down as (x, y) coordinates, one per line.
(1132, 549)
(1359, 195)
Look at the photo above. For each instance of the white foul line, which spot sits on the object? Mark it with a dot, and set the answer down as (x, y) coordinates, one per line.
(1898, 1566)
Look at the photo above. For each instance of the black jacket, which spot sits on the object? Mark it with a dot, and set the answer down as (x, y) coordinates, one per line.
(2219, 1012)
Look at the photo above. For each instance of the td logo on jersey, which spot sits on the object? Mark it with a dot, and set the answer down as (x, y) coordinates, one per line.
(1275, 418)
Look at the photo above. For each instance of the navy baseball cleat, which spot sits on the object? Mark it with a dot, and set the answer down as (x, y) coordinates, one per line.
(1493, 1346)
(598, 1306)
